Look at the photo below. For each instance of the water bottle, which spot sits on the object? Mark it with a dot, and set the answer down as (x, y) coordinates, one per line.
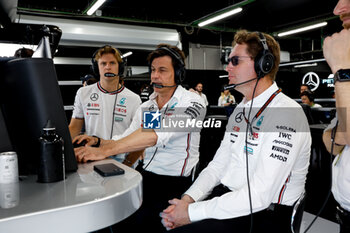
(50, 167)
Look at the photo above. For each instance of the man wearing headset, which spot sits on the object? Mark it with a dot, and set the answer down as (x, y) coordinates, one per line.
(308, 98)
(106, 107)
(336, 137)
(269, 130)
(170, 155)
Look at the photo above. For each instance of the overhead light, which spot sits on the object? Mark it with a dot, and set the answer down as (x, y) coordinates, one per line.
(302, 62)
(302, 29)
(126, 54)
(305, 65)
(95, 6)
(220, 16)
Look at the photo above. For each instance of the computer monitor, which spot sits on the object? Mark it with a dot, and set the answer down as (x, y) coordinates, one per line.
(30, 97)
(5, 144)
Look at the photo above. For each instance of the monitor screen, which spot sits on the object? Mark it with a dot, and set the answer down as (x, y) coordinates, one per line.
(31, 96)
(5, 144)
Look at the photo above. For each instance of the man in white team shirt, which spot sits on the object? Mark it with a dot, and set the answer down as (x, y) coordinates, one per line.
(274, 138)
(170, 155)
(107, 107)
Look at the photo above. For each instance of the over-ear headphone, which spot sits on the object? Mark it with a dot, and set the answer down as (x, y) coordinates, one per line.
(94, 64)
(309, 95)
(265, 60)
(179, 66)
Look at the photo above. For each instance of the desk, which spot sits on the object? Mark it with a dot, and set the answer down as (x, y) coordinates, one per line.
(84, 202)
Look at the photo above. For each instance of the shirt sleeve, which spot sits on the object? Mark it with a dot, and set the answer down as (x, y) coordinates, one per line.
(211, 175)
(219, 101)
(233, 99)
(205, 100)
(138, 102)
(193, 109)
(135, 124)
(78, 111)
(267, 182)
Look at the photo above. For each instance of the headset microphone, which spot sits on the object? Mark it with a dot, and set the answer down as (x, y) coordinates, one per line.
(233, 86)
(110, 75)
(160, 85)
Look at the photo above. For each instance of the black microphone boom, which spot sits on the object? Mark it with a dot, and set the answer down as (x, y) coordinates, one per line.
(110, 75)
(233, 86)
(160, 85)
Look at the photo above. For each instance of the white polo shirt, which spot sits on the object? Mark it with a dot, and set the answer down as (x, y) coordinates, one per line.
(176, 151)
(278, 148)
(341, 174)
(99, 108)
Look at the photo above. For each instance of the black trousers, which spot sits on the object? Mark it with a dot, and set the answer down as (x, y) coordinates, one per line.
(157, 190)
(343, 217)
(274, 220)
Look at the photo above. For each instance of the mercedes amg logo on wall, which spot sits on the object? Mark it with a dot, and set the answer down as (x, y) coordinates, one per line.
(312, 80)
(94, 96)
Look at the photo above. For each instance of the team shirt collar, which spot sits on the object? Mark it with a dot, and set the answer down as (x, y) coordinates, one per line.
(112, 92)
(261, 99)
(177, 94)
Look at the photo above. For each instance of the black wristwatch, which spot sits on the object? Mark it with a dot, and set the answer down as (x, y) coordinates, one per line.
(342, 75)
(98, 141)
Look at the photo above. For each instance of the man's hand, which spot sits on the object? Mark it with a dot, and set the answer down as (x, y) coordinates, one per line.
(86, 153)
(176, 214)
(336, 50)
(90, 141)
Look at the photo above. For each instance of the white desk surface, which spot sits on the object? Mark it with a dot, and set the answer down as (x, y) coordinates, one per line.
(84, 202)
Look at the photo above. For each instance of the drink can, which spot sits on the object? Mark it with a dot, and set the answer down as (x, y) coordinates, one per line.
(8, 167)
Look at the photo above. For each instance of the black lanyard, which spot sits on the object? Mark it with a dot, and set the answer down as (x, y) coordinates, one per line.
(263, 107)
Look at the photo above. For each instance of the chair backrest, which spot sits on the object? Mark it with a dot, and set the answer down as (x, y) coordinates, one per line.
(297, 214)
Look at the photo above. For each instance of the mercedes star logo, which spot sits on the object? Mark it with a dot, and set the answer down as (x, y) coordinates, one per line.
(239, 117)
(312, 80)
(94, 96)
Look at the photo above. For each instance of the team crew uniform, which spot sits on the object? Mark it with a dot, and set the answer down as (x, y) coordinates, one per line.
(341, 183)
(226, 99)
(168, 165)
(95, 105)
(278, 148)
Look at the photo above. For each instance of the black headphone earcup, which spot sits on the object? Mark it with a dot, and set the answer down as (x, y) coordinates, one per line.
(180, 73)
(263, 63)
(121, 68)
(94, 65)
(94, 68)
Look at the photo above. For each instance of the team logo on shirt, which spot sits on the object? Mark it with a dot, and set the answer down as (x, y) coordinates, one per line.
(239, 117)
(258, 123)
(122, 101)
(151, 120)
(94, 96)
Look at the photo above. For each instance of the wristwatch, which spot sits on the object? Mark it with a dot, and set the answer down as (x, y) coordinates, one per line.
(342, 75)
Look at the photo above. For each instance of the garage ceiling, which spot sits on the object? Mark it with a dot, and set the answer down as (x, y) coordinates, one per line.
(269, 16)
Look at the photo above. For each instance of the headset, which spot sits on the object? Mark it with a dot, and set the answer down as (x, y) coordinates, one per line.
(263, 63)
(265, 60)
(309, 95)
(179, 66)
(94, 64)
